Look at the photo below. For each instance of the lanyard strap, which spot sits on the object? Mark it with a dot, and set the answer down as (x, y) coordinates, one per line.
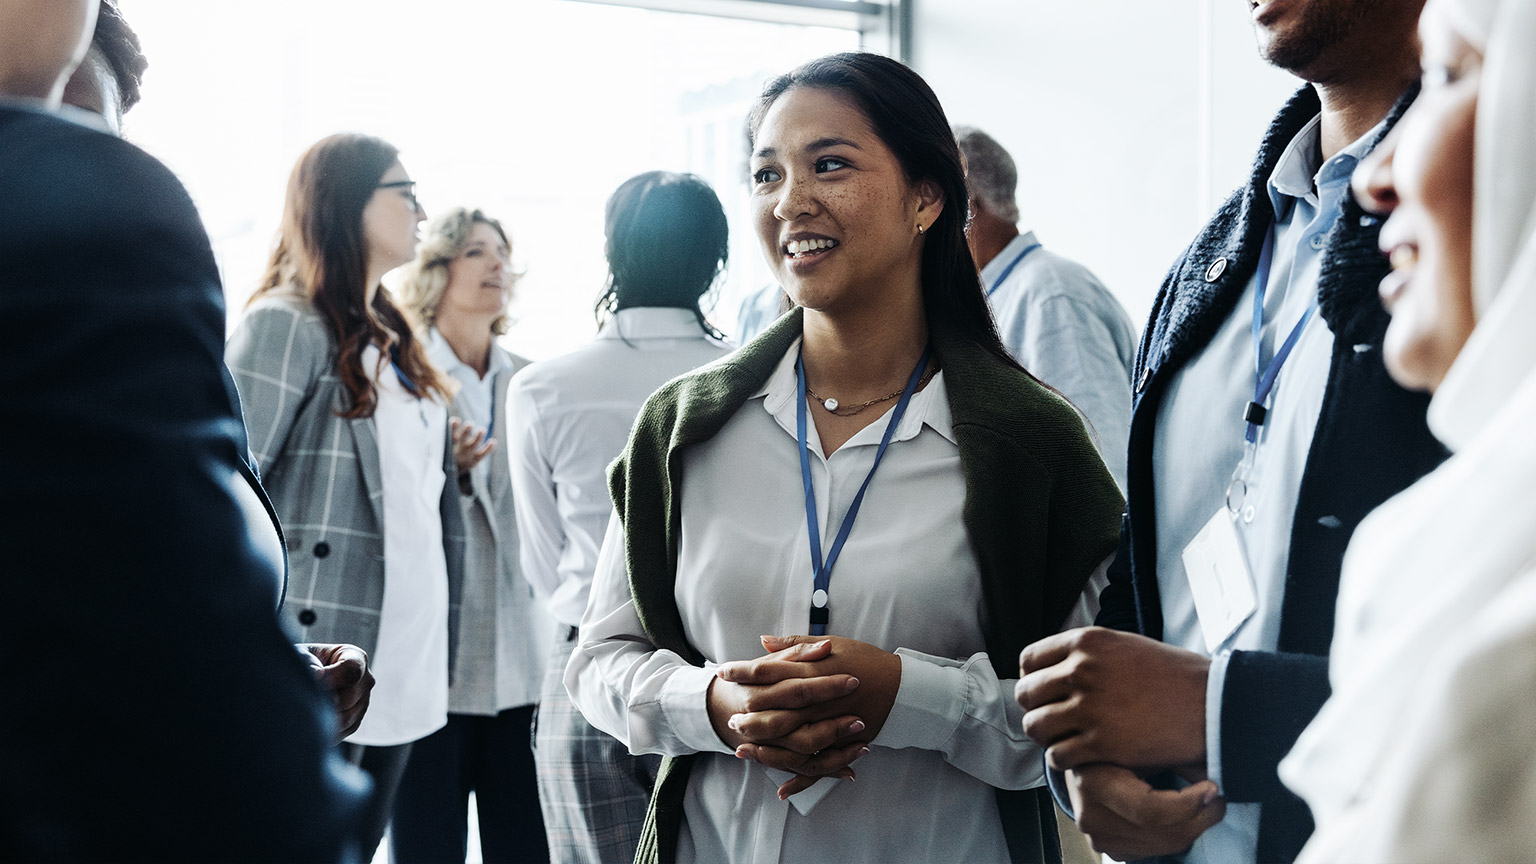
(407, 383)
(1264, 376)
(822, 572)
(1003, 277)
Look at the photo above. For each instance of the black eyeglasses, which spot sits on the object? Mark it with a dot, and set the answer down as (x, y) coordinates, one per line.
(407, 188)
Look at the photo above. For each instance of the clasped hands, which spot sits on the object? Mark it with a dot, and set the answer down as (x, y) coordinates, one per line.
(1111, 709)
(810, 706)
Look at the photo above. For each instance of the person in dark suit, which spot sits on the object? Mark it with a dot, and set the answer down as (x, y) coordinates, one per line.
(155, 708)
(1264, 428)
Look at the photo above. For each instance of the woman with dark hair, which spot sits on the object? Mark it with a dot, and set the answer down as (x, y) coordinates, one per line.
(985, 520)
(349, 426)
(567, 419)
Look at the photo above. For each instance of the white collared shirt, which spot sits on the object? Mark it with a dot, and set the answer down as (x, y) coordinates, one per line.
(569, 417)
(476, 395)
(907, 582)
(410, 663)
(1199, 442)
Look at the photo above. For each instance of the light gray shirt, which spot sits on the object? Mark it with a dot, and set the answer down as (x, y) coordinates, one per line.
(1199, 443)
(569, 417)
(1060, 322)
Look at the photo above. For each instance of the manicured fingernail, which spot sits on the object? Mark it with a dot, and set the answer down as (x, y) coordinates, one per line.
(863, 751)
(734, 722)
(856, 726)
(822, 644)
(740, 754)
(852, 685)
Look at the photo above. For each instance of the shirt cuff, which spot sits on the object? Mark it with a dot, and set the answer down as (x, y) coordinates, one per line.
(684, 701)
(929, 703)
(1215, 684)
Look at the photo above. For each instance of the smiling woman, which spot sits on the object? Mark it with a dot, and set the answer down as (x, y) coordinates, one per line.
(858, 199)
(1426, 750)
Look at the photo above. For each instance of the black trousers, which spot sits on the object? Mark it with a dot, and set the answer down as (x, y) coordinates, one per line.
(385, 765)
(490, 756)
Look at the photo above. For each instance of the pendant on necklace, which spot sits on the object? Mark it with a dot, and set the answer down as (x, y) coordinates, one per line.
(830, 404)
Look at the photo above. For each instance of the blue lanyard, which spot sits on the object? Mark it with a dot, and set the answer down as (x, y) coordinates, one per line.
(1264, 376)
(1003, 277)
(405, 381)
(823, 571)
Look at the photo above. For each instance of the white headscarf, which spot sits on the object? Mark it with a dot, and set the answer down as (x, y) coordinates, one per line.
(1436, 577)
(1502, 350)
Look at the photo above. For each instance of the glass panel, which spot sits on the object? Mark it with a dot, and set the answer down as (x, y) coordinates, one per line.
(534, 111)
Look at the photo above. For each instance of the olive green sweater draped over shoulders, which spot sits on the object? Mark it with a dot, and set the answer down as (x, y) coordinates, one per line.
(1041, 512)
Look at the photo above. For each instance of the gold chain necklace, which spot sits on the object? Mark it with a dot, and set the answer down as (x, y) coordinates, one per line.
(835, 407)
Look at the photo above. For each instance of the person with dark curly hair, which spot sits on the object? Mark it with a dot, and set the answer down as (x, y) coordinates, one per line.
(107, 81)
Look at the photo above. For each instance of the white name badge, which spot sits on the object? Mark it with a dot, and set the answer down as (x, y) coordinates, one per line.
(1219, 579)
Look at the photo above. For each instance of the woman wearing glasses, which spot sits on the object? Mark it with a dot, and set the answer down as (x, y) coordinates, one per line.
(349, 426)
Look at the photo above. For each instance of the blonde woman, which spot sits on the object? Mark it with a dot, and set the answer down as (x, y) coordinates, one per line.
(458, 288)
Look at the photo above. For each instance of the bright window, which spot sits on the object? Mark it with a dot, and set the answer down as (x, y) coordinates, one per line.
(533, 110)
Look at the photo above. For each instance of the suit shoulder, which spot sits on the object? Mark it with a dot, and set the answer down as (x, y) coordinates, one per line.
(83, 172)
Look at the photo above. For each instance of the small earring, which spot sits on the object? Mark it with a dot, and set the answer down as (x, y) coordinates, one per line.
(921, 229)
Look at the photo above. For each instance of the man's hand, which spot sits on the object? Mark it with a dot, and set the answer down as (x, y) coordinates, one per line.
(1097, 695)
(1126, 819)
(343, 672)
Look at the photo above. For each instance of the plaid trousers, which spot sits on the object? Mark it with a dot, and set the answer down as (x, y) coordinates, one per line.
(593, 791)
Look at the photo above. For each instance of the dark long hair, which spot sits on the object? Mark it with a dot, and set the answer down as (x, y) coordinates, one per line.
(907, 117)
(322, 253)
(667, 244)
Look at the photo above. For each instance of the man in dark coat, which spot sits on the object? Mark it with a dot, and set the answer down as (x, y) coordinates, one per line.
(1264, 428)
(154, 708)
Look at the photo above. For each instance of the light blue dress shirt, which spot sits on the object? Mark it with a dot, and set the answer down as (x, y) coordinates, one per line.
(1199, 443)
(1060, 322)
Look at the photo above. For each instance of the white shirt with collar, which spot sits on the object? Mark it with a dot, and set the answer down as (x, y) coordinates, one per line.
(476, 395)
(1199, 443)
(907, 582)
(410, 664)
(569, 417)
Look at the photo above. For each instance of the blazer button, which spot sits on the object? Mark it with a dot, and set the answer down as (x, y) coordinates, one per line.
(307, 617)
(322, 549)
(1218, 267)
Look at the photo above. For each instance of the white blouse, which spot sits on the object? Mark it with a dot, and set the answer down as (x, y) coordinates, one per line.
(906, 582)
(410, 663)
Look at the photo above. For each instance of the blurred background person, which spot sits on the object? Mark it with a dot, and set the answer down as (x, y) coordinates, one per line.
(569, 417)
(458, 288)
(1056, 318)
(107, 81)
(1426, 750)
(155, 709)
(348, 421)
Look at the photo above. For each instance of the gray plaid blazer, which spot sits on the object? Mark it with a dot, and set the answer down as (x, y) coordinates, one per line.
(322, 474)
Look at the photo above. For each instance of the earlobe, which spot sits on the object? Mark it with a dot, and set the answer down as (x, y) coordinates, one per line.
(930, 203)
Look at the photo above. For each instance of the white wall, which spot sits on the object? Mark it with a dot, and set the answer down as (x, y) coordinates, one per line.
(1129, 121)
